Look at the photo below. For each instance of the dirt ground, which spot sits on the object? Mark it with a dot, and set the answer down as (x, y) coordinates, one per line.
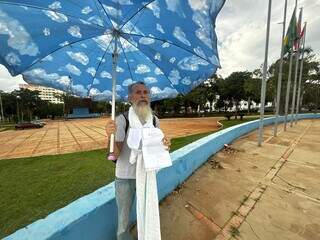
(84, 134)
(251, 193)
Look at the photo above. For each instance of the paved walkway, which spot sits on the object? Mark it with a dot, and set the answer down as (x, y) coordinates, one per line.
(81, 135)
(252, 193)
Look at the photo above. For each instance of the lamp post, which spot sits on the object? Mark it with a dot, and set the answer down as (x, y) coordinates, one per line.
(264, 79)
(18, 115)
(1, 106)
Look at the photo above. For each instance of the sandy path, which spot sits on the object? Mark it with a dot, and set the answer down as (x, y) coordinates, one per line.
(84, 134)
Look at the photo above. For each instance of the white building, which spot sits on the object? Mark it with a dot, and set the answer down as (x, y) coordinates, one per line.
(45, 93)
(243, 105)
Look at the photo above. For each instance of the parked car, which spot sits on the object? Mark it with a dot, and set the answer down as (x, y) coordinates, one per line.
(38, 122)
(28, 125)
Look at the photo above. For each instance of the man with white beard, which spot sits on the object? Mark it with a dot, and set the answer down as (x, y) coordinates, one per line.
(125, 182)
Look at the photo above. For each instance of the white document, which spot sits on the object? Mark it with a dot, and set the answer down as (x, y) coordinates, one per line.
(154, 152)
(134, 138)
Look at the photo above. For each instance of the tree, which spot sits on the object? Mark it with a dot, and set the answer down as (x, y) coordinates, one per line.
(310, 72)
(211, 89)
(28, 101)
(311, 96)
(220, 104)
(252, 90)
(9, 106)
(197, 97)
(103, 107)
(232, 89)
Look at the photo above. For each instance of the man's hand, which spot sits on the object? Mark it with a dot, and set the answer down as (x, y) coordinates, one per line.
(166, 142)
(111, 128)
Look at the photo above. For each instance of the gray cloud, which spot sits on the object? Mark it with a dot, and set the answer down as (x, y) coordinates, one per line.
(241, 29)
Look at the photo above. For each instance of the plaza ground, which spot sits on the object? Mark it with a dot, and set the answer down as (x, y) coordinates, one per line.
(33, 187)
(231, 194)
(252, 193)
(59, 137)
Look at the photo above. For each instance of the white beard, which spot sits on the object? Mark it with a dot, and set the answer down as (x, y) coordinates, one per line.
(143, 111)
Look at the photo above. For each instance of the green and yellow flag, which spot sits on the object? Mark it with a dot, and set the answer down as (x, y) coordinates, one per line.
(292, 33)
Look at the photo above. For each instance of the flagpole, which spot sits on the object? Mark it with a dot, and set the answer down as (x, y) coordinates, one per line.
(264, 79)
(293, 102)
(288, 93)
(301, 71)
(290, 48)
(275, 129)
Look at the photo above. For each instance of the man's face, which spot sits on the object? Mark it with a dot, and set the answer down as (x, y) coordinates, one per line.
(140, 95)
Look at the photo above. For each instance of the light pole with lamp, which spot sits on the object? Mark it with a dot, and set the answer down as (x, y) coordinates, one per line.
(264, 78)
(18, 115)
(1, 106)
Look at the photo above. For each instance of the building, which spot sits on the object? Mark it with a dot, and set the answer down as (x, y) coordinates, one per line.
(243, 105)
(45, 93)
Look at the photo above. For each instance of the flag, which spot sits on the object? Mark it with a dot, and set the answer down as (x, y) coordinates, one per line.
(292, 33)
(297, 41)
(303, 31)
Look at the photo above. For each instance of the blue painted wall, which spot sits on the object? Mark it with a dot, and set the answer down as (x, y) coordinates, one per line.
(93, 217)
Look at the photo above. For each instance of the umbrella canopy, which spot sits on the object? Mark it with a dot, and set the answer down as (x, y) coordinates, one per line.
(170, 45)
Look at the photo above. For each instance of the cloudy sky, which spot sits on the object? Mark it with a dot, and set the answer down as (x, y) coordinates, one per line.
(241, 28)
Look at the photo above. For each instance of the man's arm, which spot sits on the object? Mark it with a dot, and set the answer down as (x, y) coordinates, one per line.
(117, 149)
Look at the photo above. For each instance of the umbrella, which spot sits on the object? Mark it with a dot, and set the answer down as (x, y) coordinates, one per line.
(97, 48)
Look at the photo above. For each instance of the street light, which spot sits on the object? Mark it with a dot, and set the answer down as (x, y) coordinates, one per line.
(1, 106)
(18, 115)
(264, 79)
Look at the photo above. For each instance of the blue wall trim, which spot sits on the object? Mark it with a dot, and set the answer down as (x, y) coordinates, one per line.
(94, 216)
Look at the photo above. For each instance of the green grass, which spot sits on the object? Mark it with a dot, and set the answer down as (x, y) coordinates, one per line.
(31, 188)
(177, 143)
(5, 127)
(234, 122)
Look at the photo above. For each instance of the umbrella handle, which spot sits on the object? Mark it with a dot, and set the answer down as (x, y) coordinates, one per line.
(112, 156)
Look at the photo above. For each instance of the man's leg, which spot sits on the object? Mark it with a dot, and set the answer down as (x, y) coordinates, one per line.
(125, 192)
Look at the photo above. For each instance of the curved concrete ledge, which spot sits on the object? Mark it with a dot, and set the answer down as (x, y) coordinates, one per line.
(94, 216)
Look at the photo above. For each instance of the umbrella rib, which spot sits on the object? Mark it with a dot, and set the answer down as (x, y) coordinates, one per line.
(56, 51)
(152, 62)
(144, 7)
(95, 3)
(106, 13)
(135, 24)
(105, 52)
(172, 43)
(125, 55)
(49, 9)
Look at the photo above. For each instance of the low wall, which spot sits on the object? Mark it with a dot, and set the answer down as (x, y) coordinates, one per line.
(94, 217)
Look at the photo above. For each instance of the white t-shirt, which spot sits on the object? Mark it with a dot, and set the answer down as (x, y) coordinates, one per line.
(124, 169)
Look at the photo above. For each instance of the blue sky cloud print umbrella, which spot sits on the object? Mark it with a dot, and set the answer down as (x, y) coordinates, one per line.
(96, 48)
(68, 44)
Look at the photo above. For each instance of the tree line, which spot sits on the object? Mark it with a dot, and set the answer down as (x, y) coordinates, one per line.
(225, 93)
(26, 105)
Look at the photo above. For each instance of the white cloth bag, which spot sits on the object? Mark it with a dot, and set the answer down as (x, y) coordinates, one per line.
(148, 219)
